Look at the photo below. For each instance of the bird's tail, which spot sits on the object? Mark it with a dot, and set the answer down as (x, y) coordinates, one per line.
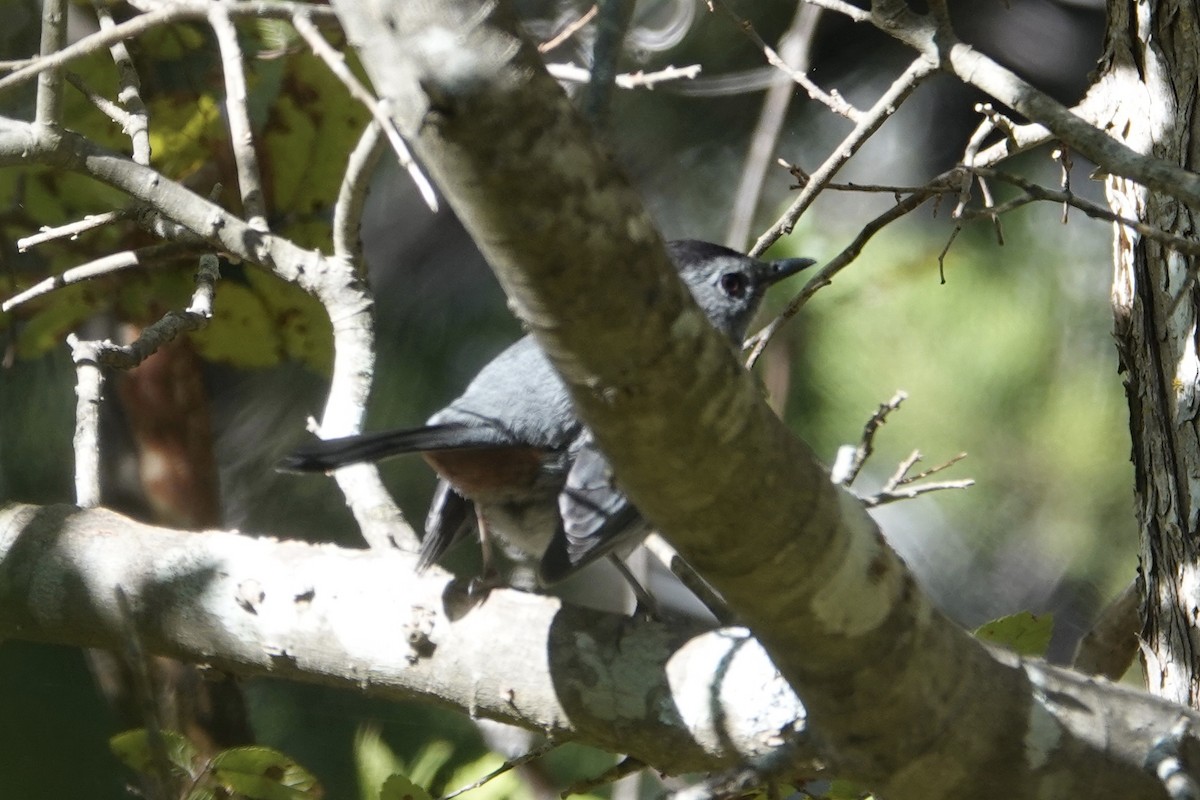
(325, 454)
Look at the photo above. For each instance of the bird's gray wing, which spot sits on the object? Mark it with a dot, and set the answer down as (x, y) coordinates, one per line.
(596, 517)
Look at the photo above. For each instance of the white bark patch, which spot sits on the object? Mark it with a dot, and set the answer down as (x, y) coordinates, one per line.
(1187, 376)
(719, 712)
(858, 594)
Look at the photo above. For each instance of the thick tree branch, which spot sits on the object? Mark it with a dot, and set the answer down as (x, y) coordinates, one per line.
(675, 697)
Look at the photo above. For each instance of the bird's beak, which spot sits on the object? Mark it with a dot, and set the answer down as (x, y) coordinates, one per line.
(786, 267)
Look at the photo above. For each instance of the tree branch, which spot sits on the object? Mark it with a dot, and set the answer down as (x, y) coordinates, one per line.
(674, 697)
(50, 83)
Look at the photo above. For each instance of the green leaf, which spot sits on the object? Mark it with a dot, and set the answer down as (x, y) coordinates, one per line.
(133, 749)
(398, 787)
(1025, 633)
(261, 773)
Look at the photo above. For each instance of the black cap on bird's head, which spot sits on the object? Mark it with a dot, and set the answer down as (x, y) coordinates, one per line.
(729, 286)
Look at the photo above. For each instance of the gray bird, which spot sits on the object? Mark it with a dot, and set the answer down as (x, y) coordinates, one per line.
(515, 462)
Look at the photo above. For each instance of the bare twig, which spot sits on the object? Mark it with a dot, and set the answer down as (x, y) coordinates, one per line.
(909, 492)
(757, 343)
(917, 71)
(802, 179)
(54, 36)
(941, 259)
(95, 269)
(106, 107)
(573, 73)
(845, 474)
(137, 127)
(567, 32)
(1034, 191)
(623, 768)
(902, 486)
(241, 136)
(173, 12)
(834, 101)
(794, 49)
(337, 65)
(89, 388)
(907, 479)
(853, 12)
(171, 326)
(510, 764)
(352, 196)
(70, 230)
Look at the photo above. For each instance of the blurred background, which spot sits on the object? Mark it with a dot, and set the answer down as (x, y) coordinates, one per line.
(1009, 359)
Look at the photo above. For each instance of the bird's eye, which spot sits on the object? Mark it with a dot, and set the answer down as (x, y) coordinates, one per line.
(733, 284)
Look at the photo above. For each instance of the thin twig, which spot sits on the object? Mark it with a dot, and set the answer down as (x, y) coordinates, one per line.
(573, 73)
(89, 388)
(941, 258)
(49, 90)
(917, 71)
(567, 32)
(757, 343)
(853, 12)
(1035, 191)
(932, 470)
(130, 94)
(94, 269)
(174, 12)
(337, 65)
(803, 178)
(241, 136)
(902, 469)
(172, 324)
(794, 49)
(845, 474)
(106, 107)
(71, 230)
(902, 486)
(834, 101)
(623, 768)
(884, 498)
(352, 196)
(510, 764)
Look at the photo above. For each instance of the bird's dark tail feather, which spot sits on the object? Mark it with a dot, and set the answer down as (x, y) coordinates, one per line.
(327, 454)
